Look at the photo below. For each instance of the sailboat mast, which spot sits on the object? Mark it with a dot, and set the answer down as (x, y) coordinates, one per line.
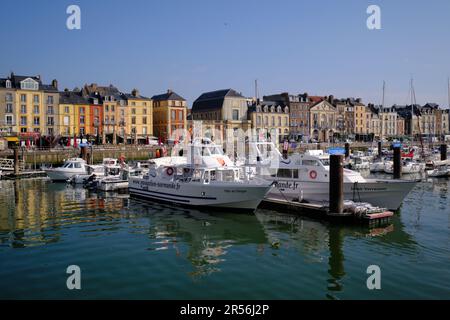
(381, 112)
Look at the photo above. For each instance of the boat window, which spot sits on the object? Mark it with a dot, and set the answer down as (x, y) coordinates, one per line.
(325, 162)
(295, 172)
(77, 165)
(310, 162)
(69, 166)
(206, 177)
(197, 175)
(284, 173)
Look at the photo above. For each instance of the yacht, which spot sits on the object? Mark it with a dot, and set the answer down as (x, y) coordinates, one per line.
(439, 172)
(408, 167)
(201, 179)
(305, 177)
(71, 167)
(359, 163)
(108, 167)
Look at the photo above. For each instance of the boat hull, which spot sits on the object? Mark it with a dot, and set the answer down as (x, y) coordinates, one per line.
(60, 175)
(243, 197)
(384, 193)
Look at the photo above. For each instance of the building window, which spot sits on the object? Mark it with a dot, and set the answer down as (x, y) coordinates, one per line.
(29, 84)
(23, 130)
(82, 131)
(133, 111)
(107, 108)
(50, 121)
(144, 130)
(81, 110)
(235, 114)
(35, 98)
(112, 108)
(144, 111)
(23, 98)
(9, 97)
(50, 110)
(36, 121)
(66, 120)
(36, 130)
(96, 112)
(66, 109)
(36, 109)
(9, 108)
(180, 115)
(9, 120)
(8, 84)
(23, 108)
(81, 119)
(133, 103)
(258, 120)
(173, 115)
(133, 120)
(50, 100)
(144, 120)
(50, 131)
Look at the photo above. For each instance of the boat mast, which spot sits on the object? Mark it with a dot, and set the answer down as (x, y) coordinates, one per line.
(382, 110)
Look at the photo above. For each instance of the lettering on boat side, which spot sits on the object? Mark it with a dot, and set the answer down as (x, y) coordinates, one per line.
(374, 280)
(286, 185)
(74, 280)
(228, 309)
(146, 184)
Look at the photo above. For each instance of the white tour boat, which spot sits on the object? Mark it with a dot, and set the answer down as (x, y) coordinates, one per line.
(306, 177)
(206, 181)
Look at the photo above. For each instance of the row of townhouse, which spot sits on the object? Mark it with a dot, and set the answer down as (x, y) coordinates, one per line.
(316, 118)
(29, 108)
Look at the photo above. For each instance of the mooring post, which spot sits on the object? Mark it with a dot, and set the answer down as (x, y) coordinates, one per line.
(16, 160)
(397, 163)
(336, 183)
(347, 150)
(379, 149)
(443, 152)
(84, 153)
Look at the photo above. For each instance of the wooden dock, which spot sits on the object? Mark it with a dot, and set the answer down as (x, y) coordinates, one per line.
(322, 211)
(10, 175)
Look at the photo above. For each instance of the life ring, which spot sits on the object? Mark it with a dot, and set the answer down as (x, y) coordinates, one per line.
(221, 161)
(313, 174)
(169, 171)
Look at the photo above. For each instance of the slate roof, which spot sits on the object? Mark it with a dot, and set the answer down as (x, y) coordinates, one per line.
(16, 79)
(72, 97)
(169, 95)
(214, 100)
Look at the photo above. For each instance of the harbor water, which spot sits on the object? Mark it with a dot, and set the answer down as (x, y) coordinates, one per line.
(133, 249)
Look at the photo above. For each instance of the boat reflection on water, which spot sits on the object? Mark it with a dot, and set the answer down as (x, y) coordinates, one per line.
(265, 249)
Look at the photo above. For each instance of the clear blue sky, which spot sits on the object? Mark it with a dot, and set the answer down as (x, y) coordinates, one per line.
(191, 46)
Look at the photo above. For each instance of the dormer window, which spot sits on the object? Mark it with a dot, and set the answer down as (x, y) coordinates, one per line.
(29, 84)
(279, 109)
(8, 84)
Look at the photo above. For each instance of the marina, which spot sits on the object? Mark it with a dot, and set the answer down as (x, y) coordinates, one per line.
(132, 248)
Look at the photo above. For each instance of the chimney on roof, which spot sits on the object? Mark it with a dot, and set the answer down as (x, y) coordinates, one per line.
(55, 84)
(330, 98)
(358, 100)
(66, 90)
(135, 92)
(169, 91)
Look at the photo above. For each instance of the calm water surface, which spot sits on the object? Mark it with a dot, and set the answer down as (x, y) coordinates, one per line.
(132, 249)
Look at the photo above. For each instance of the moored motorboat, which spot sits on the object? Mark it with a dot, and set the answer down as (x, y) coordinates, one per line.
(207, 181)
(71, 167)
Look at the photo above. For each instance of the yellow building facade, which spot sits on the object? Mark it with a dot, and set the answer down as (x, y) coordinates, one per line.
(169, 115)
